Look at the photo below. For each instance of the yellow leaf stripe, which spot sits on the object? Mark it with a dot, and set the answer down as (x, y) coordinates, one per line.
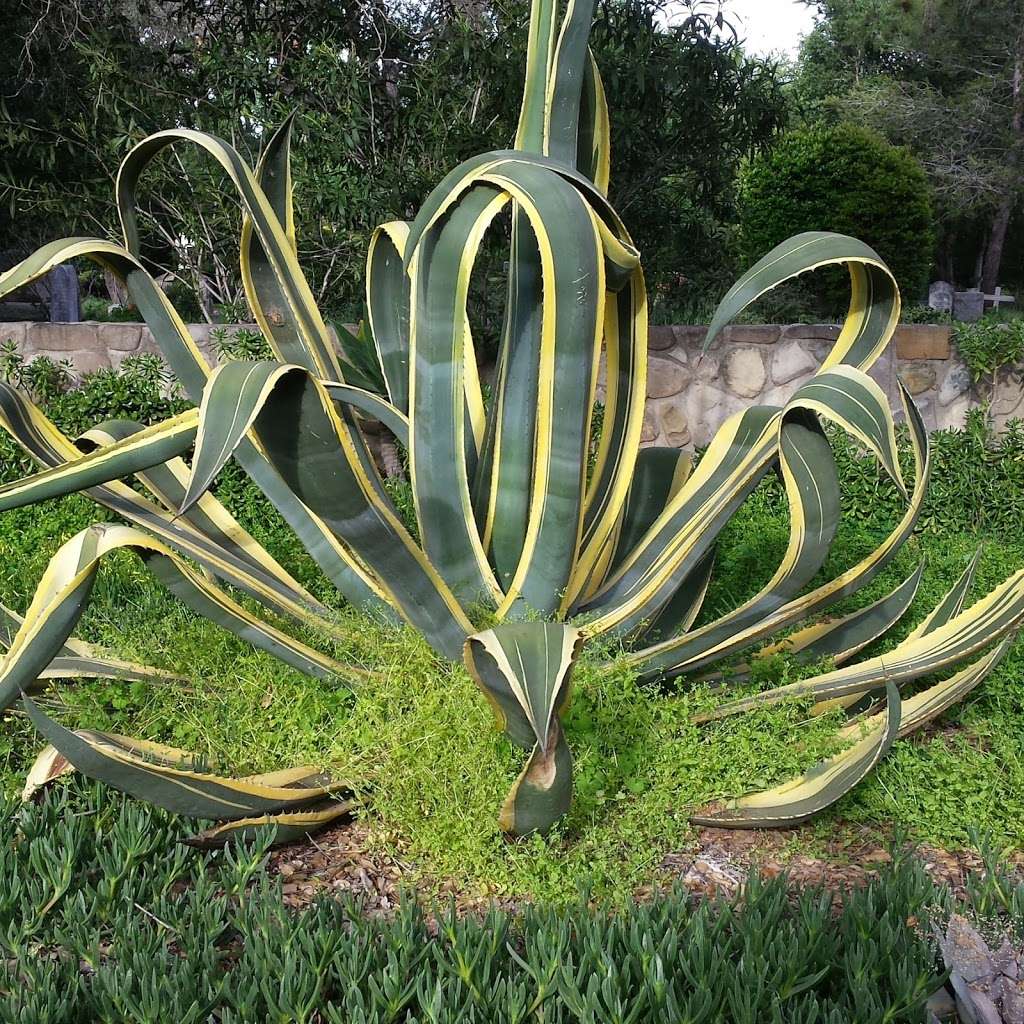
(62, 592)
(995, 615)
(802, 797)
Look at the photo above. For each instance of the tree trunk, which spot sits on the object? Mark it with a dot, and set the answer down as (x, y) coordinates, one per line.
(1001, 221)
(996, 239)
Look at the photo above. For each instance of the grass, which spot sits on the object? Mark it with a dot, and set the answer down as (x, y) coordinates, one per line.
(421, 738)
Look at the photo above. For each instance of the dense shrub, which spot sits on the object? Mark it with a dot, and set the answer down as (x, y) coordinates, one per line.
(141, 389)
(991, 344)
(844, 179)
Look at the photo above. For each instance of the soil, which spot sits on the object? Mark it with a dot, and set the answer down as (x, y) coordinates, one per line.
(350, 861)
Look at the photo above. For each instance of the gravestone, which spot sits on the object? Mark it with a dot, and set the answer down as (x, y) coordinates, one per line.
(59, 290)
(969, 305)
(998, 297)
(940, 296)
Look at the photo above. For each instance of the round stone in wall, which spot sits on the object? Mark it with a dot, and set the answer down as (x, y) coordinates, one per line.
(675, 426)
(665, 377)
(743, 372)
(918, 378)
(791, 361)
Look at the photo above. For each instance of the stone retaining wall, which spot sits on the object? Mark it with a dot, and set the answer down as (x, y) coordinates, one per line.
(689, 392)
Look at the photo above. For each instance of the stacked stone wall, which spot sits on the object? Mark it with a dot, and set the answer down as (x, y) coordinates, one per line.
(690, 392)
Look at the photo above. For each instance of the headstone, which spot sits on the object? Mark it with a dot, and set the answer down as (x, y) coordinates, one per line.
(968, 305)
(997, 298)
(940, 296)
(59, 288)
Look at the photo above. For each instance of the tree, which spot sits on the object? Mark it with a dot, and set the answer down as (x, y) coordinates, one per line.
(389, 95)
(944, 78)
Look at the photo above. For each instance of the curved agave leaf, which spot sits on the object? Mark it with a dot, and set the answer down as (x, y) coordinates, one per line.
(47, 445)
(565, 85)
(292, 323)
(620, 253)
(329, 478)
(267, 298)
(524, 670)
(373, 406)
(512, 461)
(706, 645)
(67, 582)
(178, 787)
(801, 798)
(593, 157)
(625, 340)
(149, 447)
(440, 349)
(273, 266)
(232, 399)
(998, 613)
(874, 303)
(573, 292)
(840, 639)
(266, 292)
(387, 306)
(283, 828)
(952, 604)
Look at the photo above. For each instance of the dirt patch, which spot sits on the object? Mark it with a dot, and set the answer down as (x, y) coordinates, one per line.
(354, 860)
(721, 859)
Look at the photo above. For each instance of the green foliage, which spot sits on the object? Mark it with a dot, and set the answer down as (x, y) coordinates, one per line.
(977, 483)
(392, 96)
(103, 311)
(924, 315)
(843, 179)
(99, 923)
(241, 343)
(640, 765)
(990, 344)
(140, 389)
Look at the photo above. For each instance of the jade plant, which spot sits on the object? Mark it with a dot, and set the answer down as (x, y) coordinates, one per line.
(523, 552)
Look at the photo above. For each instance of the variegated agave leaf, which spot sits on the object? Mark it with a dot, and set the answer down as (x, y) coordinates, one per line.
(511, 526)
(524, 670)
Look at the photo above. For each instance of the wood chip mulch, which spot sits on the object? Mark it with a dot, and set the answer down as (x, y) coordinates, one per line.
(721, 860)
(356, 861)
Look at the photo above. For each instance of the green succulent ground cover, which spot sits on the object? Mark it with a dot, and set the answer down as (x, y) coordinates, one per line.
(422, 738)
(104, 919)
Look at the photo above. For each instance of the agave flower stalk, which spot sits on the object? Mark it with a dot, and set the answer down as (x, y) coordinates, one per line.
(509, 520)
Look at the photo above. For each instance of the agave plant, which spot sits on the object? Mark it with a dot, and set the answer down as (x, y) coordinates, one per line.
(515, 533)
